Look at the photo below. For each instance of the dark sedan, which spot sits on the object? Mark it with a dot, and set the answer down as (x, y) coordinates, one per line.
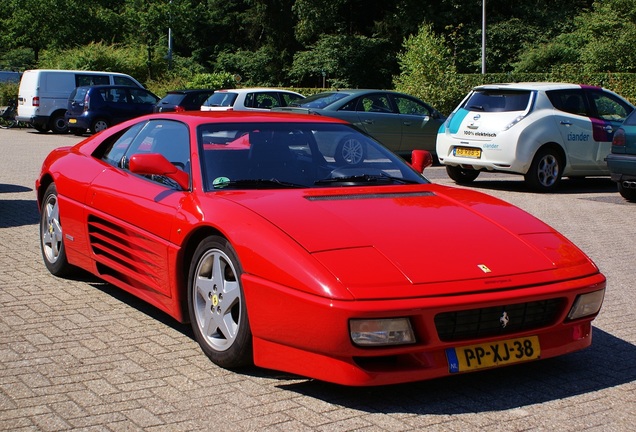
(399, 121)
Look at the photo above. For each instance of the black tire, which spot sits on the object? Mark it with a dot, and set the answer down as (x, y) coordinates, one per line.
(98, 125)
(51, 235)
(77, 131)
(628, 193)
(461, 175)
(216, 304)
(350, 151)
(545, 171)
(58, 123)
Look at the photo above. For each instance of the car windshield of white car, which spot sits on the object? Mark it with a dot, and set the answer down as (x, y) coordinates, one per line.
(498, 101)
(302, 155)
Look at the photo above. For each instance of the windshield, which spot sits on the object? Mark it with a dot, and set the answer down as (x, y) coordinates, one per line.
(319, 100)
(285, 155)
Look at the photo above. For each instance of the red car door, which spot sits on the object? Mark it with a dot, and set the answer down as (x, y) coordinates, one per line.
(130, 217)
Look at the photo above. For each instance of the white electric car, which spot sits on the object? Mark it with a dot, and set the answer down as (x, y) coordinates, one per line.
(543, 131)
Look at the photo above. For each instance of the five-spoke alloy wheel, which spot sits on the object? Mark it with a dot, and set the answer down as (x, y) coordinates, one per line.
(216, 304)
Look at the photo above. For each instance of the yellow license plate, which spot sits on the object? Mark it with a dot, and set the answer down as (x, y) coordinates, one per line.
(468, 152)
(492, 354)
(72, 120)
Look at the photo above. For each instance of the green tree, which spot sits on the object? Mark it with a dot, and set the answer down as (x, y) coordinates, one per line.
(428, 70)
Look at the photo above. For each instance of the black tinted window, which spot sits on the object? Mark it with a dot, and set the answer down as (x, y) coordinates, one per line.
(89, 80)
(498, 100)
(570, 101)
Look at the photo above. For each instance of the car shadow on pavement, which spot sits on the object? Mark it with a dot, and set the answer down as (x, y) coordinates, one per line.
(568, 185)
(507, 388)
(15, 213)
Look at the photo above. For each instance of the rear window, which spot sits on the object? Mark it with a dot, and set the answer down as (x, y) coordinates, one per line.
(498, 100)
(223, 99)
(173, 98)
(631, 119)
(79, 94)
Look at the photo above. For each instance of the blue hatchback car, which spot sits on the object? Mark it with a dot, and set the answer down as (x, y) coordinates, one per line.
(98, 107)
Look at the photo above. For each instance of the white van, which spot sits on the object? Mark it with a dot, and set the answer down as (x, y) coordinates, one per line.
(43, 94)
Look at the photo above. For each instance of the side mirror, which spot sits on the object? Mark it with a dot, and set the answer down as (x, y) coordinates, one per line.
(421, 159)
(157, 164)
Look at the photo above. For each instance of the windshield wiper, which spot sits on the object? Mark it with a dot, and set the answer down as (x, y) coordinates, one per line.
(365, 178)
(255, 184)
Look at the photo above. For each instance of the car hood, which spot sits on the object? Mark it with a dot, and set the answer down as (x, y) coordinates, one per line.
(425, 234)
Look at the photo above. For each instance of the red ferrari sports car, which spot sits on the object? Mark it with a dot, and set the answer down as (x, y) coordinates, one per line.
(300, 244)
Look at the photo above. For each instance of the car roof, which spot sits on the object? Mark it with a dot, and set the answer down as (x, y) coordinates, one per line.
(253, 89)
(112, 86)
(529, 86)
(184, 91)
(201, 117)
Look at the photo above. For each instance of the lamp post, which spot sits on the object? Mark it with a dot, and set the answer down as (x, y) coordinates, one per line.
(483, 36)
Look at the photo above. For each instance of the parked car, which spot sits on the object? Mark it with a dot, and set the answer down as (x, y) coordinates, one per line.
(98, 107)
(622, 160)
(399, 121)
(43, 94)
(183, 100)
(281, 255)
(249, 99)
(543, 131)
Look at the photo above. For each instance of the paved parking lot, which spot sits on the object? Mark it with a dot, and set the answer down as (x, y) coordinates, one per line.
(82, 355)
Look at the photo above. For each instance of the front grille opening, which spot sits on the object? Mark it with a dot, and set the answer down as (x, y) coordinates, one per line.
(487, 322)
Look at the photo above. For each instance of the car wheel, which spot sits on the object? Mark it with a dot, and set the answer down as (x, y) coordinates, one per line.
(77, 131)
(350, 151)
(216, 304)
(99, 125)
(545, 171)
(51, 235)
(628, 193)
(58, 123)
(461, 175)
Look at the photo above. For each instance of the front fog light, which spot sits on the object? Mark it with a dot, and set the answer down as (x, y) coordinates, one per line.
(381, 332)
(587, 304)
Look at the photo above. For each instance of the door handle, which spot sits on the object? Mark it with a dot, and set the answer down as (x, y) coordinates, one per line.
(565, 122)
(407, 123)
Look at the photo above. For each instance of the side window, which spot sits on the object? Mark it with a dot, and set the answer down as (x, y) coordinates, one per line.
(90, 80)
(410, 106)
(141, 96)
(606, 106)
(122, 80)
(266, 100)
(288, 98)
(570, 101)
(168, 138)
(249, 100)
(117, 147)
(374, 103)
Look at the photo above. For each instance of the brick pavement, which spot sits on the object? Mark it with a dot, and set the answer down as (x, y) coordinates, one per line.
(82, 355)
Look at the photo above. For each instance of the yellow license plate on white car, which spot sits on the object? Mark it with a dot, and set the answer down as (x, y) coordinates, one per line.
(469, 152)
(492, 354)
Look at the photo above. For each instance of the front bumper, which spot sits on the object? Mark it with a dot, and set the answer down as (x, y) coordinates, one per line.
(308, 335)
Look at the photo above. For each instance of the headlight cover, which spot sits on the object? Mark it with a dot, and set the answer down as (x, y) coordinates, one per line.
(587, 304)
(381, 332)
